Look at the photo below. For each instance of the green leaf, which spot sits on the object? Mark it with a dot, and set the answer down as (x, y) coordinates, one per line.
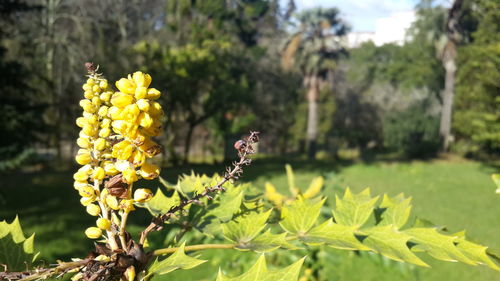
(245, 228)
(267, 242)
(227, 205)
(291, 181)
(334, 235)
(496, 180)
(314, 188)
(222, 210)
(439, 246)
(397, 210)
(300, 216)
(475, 252)
(16, 252)
(354, 209)
(188, 185)
(178, 260)
(160, 203)
(259, 272)
(390, 242)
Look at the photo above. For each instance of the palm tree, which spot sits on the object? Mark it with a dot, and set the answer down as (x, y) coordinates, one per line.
(448, 57)
(313, 50)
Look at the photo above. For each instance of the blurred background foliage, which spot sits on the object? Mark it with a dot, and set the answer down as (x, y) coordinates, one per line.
(230, 66)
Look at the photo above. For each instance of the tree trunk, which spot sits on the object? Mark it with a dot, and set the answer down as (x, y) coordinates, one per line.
(187, 143)
(312, 115)
(448, 94)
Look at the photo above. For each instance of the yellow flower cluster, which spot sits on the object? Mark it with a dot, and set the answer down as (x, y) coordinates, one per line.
(115, 142)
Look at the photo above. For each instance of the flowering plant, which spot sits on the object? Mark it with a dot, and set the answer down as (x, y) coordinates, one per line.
(117, 149)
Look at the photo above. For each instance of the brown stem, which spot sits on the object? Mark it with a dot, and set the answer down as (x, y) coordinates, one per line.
(244, 148)
(43, 273)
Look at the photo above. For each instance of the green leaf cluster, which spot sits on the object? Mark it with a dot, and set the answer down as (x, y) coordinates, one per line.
(16, 251)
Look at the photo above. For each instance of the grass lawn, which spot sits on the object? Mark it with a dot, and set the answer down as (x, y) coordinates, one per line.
(457, 194)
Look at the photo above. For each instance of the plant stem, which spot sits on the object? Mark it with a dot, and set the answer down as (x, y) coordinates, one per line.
(193, 248)
(105, 214)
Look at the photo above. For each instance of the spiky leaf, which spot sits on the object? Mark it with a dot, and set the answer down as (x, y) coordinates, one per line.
(17, 252)
(475, 252)
(354, 209)
(300, 216)
(267, 242)
(178, 260)
(397, 210)
(334, 235)
(259, 272)
(438, 245)
(390, 242)
(160, 203)
(244, 229)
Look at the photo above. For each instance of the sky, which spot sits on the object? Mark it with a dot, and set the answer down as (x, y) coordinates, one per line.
(363, 15)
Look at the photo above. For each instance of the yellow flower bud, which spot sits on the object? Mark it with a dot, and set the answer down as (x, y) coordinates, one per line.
(80, 176)
(93, 232)
(153, 94)
(105, 123)
(96, 101)
(141, 92)
(110, 169)
(91, 82)
(122, 165)
(143, 195)
(143, 105)
(130, 112)
(103, 223)
(103, 84)
(80, 122)
(83, 142)
(88, 94)
(115, 113)
(122, 150)
(130, 175)
(127, 205)
(80, 184)
(98, 174)
(149, 171)
(87, 169)
(106, 96)
(96, 89)
(89, 130)
(121, 100)
(126, 86)
(86, 87)
(155, 110)
(104, 132)
(141, 79)
(85, 201)
(112, 202)
(93, 210)
(137, 158)
(145, 120)
(130, 273)
(104, 258)
(87, 106)
(83, 158)
(100, 144)
(103, 111)
(86, 191)
(150, 148)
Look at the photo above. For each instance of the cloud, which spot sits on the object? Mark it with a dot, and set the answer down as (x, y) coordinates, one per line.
(362, 14)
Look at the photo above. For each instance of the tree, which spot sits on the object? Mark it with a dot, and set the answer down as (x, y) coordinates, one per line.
(314, 50)
(477, 115)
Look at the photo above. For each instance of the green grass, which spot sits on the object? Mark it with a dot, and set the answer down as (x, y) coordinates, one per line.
(459, 195)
